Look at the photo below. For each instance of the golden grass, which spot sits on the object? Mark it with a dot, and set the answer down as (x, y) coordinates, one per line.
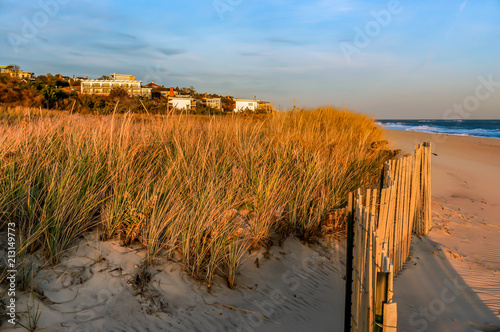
(201, 190)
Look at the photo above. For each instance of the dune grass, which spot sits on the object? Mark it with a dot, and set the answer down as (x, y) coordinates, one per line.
(201, 190)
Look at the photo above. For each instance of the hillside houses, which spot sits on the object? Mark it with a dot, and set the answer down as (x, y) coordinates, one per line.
(185, 98)
(15, 72)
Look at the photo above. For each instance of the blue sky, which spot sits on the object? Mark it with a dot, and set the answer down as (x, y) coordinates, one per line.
(419, 61)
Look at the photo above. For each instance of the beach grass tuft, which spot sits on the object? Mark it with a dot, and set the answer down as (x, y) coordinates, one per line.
(200, 190)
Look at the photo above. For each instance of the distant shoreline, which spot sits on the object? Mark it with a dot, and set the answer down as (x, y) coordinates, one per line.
(455, 127)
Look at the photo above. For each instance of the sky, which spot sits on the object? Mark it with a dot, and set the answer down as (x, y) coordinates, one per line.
(390, 59)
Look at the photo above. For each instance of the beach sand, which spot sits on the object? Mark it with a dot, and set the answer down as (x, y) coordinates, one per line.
(96, 288)
(450, 283)
(452, 280)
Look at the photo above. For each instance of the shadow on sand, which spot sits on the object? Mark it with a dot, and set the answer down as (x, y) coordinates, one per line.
(432, 296)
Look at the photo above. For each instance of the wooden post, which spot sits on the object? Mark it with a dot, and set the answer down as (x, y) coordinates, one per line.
(349, 261)
(397, 220)
(390, 283)
(370, 268)
(390, 322)
(406, 229)
(389, 237)
(428, 189)
(422, 179)
(356, 263)
(381, 292)
(374, 210)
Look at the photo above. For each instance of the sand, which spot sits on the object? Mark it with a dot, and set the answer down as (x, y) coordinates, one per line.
(292, 288)
(452, 280)
(450, 283)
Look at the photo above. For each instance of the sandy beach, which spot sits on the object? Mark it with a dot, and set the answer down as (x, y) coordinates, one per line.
(452, 280)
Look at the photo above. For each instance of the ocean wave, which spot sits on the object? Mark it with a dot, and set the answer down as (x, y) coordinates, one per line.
(439, 129)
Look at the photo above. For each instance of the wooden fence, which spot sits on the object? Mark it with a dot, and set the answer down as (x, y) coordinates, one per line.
(379, 238)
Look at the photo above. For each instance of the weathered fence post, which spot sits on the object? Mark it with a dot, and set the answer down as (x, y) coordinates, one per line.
(348, 264)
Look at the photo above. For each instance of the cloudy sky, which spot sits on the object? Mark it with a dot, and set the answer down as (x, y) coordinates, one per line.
(390, 59)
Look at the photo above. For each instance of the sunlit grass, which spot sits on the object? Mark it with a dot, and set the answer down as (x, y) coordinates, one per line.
(201, 190)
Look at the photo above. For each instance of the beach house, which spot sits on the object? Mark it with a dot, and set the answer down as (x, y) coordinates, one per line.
(251, 105)
(215, 103)
(103, 87)
(246, 104)
(180, 103)
(13, 72)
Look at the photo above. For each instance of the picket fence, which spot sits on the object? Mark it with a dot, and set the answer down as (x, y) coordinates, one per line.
(380, 225)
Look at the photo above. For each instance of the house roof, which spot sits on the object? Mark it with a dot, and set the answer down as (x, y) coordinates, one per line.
(246, 100)
(153, 85)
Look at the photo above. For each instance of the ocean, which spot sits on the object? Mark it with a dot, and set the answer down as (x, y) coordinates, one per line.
(477, 128)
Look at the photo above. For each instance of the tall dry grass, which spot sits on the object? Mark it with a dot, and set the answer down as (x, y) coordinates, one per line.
(201, 190)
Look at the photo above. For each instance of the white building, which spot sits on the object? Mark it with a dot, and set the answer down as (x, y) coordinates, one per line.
(103, 87)
(180, 103)
(244, 104)
(215, 103)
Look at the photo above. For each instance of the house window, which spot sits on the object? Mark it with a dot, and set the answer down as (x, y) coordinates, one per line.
(250, 104)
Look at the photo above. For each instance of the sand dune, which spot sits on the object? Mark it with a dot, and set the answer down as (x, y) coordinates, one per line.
(96, 288)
